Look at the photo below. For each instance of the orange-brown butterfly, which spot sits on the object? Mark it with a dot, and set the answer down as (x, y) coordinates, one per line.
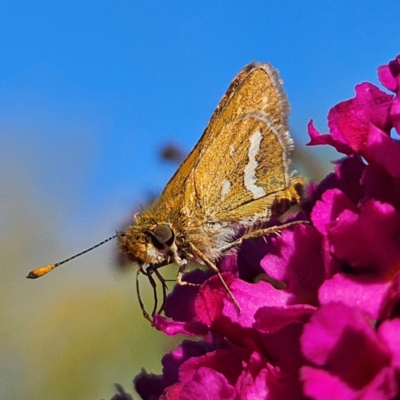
(236, 177)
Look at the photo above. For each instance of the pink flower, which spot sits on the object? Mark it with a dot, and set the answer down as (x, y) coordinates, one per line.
(321, 302)
(348, 357)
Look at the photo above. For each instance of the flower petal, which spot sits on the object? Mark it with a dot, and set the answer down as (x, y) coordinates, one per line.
(341, 340)
(365, 292)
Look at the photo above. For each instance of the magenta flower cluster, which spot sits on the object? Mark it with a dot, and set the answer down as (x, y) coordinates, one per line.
(333, 329)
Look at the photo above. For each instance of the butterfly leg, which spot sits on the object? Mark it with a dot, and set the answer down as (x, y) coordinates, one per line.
(164, 289)
(181, 271)
(214, 268)
(276, 230)
(145, 313)
(261, 232)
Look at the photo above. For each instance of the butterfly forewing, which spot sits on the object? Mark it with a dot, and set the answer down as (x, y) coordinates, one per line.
(243, 153)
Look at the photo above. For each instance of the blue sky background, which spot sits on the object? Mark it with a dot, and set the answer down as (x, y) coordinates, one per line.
(90, 90)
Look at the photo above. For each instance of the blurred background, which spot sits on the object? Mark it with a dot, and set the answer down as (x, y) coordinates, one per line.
(91, 93)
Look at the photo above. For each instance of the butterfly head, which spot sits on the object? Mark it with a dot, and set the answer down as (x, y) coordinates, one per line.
(148, 244)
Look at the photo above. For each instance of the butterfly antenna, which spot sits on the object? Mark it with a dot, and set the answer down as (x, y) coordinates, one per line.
(38, 272)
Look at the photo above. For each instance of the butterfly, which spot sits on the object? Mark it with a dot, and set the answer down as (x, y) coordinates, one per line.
(236, 178)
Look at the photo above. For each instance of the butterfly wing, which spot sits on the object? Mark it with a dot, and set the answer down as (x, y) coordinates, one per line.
(241, 163)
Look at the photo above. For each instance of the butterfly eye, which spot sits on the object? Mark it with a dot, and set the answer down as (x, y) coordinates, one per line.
(162, 236)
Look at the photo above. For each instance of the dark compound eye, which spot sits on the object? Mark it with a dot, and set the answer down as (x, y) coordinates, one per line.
(162, 236)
